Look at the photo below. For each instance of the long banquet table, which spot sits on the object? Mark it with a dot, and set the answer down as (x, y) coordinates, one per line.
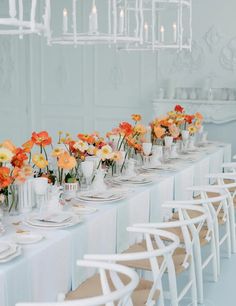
(49, 267)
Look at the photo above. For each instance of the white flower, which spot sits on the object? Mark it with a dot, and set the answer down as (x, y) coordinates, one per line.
(105, 152)
(81, 145)
(5, 155)
(91, 150)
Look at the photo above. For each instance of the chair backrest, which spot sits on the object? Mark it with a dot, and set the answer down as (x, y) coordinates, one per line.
(230, 166)
(215, 194)
(190, 226)
(111, 297)
(155, 247)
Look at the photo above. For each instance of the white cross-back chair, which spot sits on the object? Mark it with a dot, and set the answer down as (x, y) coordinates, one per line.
(217, 200)
(188, 228)
(227, 181)
(148, 292)
(206, 236)
(119, 296)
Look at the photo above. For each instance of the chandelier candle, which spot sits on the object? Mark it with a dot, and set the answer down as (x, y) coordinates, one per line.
(174, 33)
(121, 22)
(12, 8)
(65, 21)
(93, 20)
(145, 32)
(162, 31)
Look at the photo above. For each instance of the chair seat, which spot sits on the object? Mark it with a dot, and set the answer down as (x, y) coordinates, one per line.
(92, 287)
(178, 258)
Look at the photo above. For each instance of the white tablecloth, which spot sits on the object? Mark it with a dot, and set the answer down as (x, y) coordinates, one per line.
(49, 267)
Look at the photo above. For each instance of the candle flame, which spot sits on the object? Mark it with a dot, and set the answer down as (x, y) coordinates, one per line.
(94, 9)
(145, 26)
(162, 30)
(174, 26)
(121, 13)
(65, 12)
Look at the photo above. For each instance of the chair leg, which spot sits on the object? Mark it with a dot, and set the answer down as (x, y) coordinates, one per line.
(172, 284)
(198, 271)
(193, 287)
(228, 237)
(214, 259)
(232, 226)
(217, 243)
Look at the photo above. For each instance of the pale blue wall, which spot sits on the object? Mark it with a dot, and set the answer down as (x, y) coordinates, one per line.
(214, 26)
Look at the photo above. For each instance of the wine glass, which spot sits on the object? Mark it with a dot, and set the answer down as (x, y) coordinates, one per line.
(87, 168)
(147, 149)
(40, 185)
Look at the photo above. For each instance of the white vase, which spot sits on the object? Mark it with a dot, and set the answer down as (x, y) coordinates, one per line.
(26, 196)
(168, 141)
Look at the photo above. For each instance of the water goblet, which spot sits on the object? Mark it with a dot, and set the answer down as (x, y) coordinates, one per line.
(147, 149)
(40, 185)
(87, 168)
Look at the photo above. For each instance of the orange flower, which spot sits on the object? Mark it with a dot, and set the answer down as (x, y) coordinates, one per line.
(57, 152)
(9, 145)
(174, 131)
(28, 145)
(140, 129)
(85, 137)
(65, 161)
(20, 175)
(136, 117)
(19, 158)
(126, 128)
(5, 178)
(179, 109)
(159, 131)
(41, 139)
(189, 118)
(199, 116)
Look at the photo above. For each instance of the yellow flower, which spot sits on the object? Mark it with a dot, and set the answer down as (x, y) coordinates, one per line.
(92, 150)
(39, 161)
(57, 152)
(117, 156)
(5, 155)
(192, 129)
(60, 133)
(198, 124)
(140, 129)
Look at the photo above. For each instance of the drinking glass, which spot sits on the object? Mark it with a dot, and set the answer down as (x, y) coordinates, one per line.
(147, 149)
(40, 185)
(87, 168)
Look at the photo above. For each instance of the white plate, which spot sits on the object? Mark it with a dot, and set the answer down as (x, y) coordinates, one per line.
(134, 181)
(83, 210)
(27, 238)
(4, 247)
(12, 256)
(34, 222)
(11, 249)
(101, 200)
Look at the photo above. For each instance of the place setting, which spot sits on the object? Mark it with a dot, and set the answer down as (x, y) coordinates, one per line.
(9, 251)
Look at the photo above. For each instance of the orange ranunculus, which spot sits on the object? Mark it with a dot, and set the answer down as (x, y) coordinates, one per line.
(40, 161)
(126, 128)
(19, 158)
(159, 131)
(5, 178)
(174, 131)
(199, 116)
(66, 161)
(85, 137)
(41, 139)
(136, 117)
(179, 109)
(28, 145)
(9, 145)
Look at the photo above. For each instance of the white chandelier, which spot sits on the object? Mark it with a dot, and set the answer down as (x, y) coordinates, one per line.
(167, 25)
(97, 22)
(22, 18)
